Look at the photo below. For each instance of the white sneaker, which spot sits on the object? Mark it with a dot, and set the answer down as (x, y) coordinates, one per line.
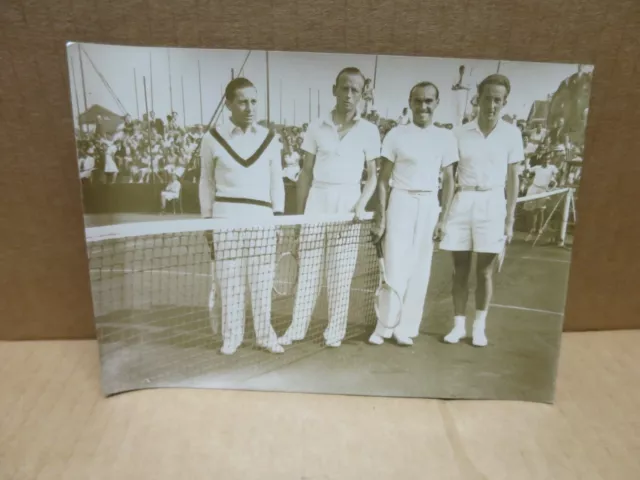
(376, 339)
(455, 335)
(275, 348)
(285, 340)
(403, 341)
(334, 344)
(479, 338)
(228, 350)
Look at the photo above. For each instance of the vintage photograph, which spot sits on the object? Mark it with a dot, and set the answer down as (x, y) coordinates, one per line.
(328, 223)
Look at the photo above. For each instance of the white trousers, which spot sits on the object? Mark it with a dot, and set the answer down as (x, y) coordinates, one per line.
(408, 251)
(245, 256)
(326, 252)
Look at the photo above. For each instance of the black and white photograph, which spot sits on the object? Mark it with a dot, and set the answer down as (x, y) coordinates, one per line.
(348, 224)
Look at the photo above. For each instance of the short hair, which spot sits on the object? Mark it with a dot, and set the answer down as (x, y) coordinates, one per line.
(495, 79)
(350, 71)
(236, 84)
(425, 84)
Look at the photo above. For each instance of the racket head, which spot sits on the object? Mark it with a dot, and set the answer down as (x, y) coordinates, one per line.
(388, 306)
(286, 274)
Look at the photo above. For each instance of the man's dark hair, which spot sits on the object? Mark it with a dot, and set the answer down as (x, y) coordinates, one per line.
(425, 85)
(350, 71)
(234, 85)
(495, 79)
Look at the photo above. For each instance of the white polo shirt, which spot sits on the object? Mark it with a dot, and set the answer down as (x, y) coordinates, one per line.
(222, 175)
(418, 155)
(341, 162)
(484, 161)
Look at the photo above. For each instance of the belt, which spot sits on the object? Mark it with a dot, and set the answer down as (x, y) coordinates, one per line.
(335, 185)
(466, 188)
(246, 201)
(413, 192)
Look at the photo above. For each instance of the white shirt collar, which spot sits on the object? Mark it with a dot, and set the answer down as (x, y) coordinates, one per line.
(415, 127)
(232, 129)
(473, 125)
(328, 119)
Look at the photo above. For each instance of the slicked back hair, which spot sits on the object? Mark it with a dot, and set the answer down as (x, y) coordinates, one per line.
(495, 79)
(234, 85)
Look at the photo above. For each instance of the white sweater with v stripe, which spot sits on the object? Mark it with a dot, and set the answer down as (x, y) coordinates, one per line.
(243, 176)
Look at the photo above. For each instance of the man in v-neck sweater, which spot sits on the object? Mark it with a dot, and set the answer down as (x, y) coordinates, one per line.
(336, 150)
(241, 177)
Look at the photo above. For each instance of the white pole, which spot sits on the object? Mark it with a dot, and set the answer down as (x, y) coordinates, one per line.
(565, 216)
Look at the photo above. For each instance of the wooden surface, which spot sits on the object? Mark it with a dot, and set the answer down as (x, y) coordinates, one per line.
(56, 424)
(44, 282)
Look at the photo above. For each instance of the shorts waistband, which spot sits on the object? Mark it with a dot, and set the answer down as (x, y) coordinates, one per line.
(476, 188)
(246, 201)
(414, 192)
(337, 186)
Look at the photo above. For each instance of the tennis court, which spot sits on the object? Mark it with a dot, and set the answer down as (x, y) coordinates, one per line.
(156, 330)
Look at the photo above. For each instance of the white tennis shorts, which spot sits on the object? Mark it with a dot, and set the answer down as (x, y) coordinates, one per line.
(476, 222)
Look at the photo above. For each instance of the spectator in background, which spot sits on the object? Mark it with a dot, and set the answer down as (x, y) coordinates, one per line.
(544, 179)
(171, 192)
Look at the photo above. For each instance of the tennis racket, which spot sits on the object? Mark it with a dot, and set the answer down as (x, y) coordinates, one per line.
(387, 303)
(286, 274)
(501, 256)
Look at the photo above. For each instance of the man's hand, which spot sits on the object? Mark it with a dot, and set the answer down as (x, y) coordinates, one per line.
(359, 212)
(508, 228)
(439, 232)
(378, 228)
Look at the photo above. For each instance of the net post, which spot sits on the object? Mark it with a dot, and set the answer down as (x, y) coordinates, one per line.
(565, 216)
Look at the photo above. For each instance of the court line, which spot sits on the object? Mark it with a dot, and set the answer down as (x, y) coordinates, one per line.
(554, 260)
(513, 307)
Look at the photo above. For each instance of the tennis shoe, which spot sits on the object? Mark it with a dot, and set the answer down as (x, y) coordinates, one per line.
(376, 339)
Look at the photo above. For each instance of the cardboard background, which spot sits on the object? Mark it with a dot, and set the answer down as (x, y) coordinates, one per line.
(44, 283)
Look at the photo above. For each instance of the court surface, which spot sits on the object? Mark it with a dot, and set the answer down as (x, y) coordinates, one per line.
(166, 340)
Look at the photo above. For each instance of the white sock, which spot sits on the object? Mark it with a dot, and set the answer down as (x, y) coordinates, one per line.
(480, 320)
(459, 329)
(479, 337)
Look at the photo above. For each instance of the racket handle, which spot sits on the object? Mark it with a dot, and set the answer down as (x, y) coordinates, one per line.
(379, 250)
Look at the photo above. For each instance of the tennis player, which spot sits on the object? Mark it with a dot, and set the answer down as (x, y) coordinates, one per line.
(241, 177)
(412, 158)
(481, 219)
(336, 150)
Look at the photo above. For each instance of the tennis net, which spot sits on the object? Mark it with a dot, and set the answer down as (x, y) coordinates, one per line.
(162, 318)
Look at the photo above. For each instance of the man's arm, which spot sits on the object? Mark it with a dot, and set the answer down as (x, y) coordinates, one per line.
(369, 187)
(513, 187)
(207, 187)
(304, 181)
(277, 182)
(386, 169)
(448, 191)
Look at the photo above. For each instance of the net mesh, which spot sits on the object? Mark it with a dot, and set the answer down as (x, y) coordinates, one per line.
(161, 318)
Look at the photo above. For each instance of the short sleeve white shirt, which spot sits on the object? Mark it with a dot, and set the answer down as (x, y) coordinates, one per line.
(341, 161)
(542, 176)
(418, 155)
(484, 160)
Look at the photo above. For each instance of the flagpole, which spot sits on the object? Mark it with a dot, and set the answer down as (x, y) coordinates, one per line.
(375, 72)
(280, 102)
(170, 88)
(150, 83)
(184, 108)
(200, 87)
(268, 93)
(146, 107)
(135, 85)
(75, 90)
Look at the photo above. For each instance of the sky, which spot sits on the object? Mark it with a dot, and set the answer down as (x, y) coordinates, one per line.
(193, 80)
